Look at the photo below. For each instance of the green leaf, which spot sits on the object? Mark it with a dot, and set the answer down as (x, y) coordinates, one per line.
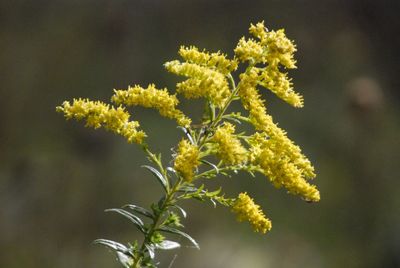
(210, 164)
(140, 210)
(187, 189)
(133, 218)
(172, 170)
(183, 212)
(158, 176)
(150, 249)
(124, 254)
(233, 119)
(187, 133)
(112, 244)
(178, 232)
(168, 245)
(125, 260)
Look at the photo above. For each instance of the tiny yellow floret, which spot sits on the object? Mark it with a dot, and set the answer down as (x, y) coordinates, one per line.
(247, 210)
(229, 147)
(215, 60)
(203, 82)
(249, 50)
(151, 97)
(98, 114)
(187, 159)
(275, 157)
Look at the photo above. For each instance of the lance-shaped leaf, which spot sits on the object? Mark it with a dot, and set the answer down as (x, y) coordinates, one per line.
(125, 260)
(114, 245)
(133, 218)
(140, 210)
(183, 212)
(210, 164)
(187, 189)
(168, 245)
(185, 130)
(178, 232)
(150, 248)
(158, 176)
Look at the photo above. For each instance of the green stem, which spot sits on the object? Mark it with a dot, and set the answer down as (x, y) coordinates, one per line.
(158, 217)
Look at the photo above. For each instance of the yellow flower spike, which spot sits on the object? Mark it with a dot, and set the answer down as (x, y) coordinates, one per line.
(283, 164)
(247, 210)
(187, 159)
(151, 97)
(217, 60)
(98, 114)
(229, 148)
(279, 49)
(280, 84)
(203, 82)
(262, 121)
(277, 166)
(259, 30)
(249, 50)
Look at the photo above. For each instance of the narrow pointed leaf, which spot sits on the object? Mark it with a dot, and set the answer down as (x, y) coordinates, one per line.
(168, 245)
(213, 202)
(150, 249)
(210, 164)
(233, 119)
(125, 260)
(190, 138)
(140, 210)
(183, 212)
(178, 232)
(188, 189)
(172, 170)
(133, 218)
(113, 245)
(158, 176)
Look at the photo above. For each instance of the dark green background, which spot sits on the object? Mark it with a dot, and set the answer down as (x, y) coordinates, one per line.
(57, 177)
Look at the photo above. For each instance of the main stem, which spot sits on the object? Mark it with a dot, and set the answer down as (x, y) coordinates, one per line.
(162, 209)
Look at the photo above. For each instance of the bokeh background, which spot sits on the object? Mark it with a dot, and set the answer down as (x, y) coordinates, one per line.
(57, 177)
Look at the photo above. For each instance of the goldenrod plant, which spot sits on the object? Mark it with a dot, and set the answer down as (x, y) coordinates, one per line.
(211, 146)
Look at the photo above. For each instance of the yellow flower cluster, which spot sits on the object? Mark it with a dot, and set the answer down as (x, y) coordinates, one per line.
(280, 85)
(249, 50)
(213, 60)
(281, 160)
(203, 81)
(151, 97)
(229, 148)
(187, 159)
(273, 49)
(247, 210)
(274, 157)
(99, 114)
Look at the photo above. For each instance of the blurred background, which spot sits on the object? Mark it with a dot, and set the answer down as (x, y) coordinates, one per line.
(57, 177)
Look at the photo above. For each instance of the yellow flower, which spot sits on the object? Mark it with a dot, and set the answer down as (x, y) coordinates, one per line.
(202, 82)
(275, 157)
(206, 59)
(98, 114)
(278, 82)
(247, 210)
(152, 98)
(279, 49)
(187, 159)
(229, 148)
(259, 30)
(249, 50)
(272, 49)
(262, 121)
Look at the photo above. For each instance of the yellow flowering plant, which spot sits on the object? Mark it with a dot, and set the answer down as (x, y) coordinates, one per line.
(266, 150)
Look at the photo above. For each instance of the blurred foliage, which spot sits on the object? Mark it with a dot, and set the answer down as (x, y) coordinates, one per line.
(57, 178)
